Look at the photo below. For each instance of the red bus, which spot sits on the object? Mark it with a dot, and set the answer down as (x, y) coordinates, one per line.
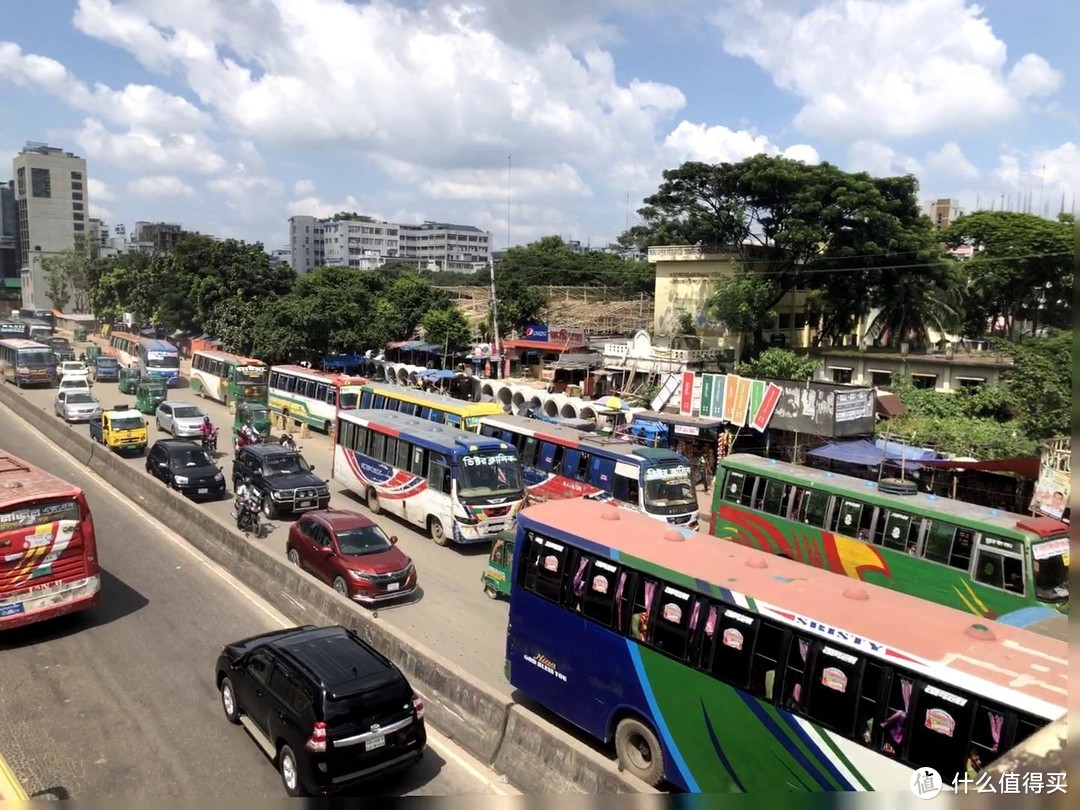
(48, 552)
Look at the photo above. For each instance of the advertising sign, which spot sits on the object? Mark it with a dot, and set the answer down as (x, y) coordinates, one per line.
(706, 394)
(760, 418)
(742, 401)
(536, 331)
(565, 335)
(686, 404)
(1052, 490)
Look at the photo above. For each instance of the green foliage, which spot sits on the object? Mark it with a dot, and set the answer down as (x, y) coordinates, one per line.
(686, 324)
(1041, 384)
(519, 304)
(58, 288)
(233, 322)
(69, 275)
(743, 303)
(550, 261)
(779, 364)
(446, 327)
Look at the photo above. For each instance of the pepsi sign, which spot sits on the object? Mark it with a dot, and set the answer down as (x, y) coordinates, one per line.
(536, 332)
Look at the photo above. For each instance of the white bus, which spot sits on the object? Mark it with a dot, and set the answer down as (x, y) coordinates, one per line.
(312, 396)
(461, 487)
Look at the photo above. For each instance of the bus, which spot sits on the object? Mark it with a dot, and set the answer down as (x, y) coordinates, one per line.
(454, 412)
(38, 330)
(152, 357)
(125, 346)
(720, 668)
(14, 328)
(459, 486)
(49, 564)
(312, 396)
(228, 378)
(561, 462)
(27, 362)
(959, 554)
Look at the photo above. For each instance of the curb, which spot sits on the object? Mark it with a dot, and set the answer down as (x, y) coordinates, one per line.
(10, 789)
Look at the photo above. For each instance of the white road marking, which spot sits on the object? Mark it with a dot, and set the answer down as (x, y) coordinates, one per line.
(446, 749)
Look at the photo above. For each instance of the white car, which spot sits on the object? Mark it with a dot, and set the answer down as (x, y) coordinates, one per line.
(74, 369)
(75, 384)
(181, 419)
(76, 406)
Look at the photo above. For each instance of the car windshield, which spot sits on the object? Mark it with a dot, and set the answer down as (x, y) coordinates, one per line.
(37, 358)
(362, 540)
(668, 488)
(79, 399)
(256, 413)
(285, 464)
(74, 368)
(489, 474)
(189, 457)
(1052, 570)
(75, 382)
(127, 423)
(186, 412)
(159, 360)
(251, 375)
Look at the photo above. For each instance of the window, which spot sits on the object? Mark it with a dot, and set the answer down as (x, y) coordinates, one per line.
(986, 733)
(346, 432)
(597, 587)
(881, 379)
(389, 454)
(404, 452)
(79, 226)
(76, 195)
(833, 698)
(899, 532)
(675, 612)
(601, 471)
(40, 183)
(841, 375)
(794, 686)
(378, 446)
(418, 461)
(814, 507)
(728, 644)
(999, 571)
(775, 501)
(528, 450)
(853, 519)
(76, 175)
(772, 642)
(543, 569)
(939, 731)
(439, 473)
(575, 464)
(550, 457)
(924, 380)
(283, 685)
(949, 545)
(258, 667)
(76, 206)
(739, 487)
(626, 489)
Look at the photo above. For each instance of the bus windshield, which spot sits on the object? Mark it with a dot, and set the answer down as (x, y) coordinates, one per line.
(1052, 570)
(37, 358)
(251, 375)
(162, 360)
(106, 362)
(668, 489)
(489, 474)
(349, 398)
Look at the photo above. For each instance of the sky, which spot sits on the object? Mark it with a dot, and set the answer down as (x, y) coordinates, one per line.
(529, 118)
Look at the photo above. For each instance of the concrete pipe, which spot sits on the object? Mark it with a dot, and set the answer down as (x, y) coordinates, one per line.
(569, 409)
(518, 400)
(504, 396)
(487, 391)
(553, 406)
(588, 413)
(536, 402)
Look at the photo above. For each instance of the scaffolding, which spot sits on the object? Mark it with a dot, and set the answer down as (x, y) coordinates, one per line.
(597, 310)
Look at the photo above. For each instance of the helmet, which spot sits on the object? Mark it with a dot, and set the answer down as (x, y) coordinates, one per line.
(206, 419)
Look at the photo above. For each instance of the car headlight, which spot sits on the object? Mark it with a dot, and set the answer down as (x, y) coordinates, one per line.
(277, 496)
(219, 477)
(180, 479)
(360, 575)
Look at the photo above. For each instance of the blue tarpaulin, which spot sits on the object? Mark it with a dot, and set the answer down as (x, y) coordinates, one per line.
(343, 361)
(860, 451)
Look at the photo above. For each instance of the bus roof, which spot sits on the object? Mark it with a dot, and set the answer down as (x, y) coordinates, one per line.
(20, 482)
(918, 633)
(1015, 526)
(128, 335)
(155, 345)
(433, 435)
(217, 354)
(454, 406)
(583, 440)
(23, 343)
(331, 377)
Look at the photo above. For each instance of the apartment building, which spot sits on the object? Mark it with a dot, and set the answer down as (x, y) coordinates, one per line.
(943, 212)
(9, 239)
(163, 237)
(52, 201)
(367, 244)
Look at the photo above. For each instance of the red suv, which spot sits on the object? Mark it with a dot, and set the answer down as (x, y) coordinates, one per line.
(351, 553)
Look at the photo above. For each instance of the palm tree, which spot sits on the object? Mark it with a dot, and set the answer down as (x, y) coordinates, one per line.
(912, 304)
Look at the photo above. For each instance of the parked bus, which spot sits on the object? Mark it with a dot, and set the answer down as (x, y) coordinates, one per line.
(719, 668)
(227, 378)
(444, 410)
(49, 564)
(459, 486)
(14, 328)
(955, 553)
(312, 396)
(561, 462)
(39, 330)
(27, 362)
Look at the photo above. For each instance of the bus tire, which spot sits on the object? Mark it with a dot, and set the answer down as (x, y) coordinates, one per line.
(327, 427)
(437, 532)
(639, 751)
(372, 499)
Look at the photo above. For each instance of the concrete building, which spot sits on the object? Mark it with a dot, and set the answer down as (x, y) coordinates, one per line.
(281, 256)
(948, 371)
(52, 199)
(368, 244)
(9, 240)
(943, 212)
(163, 237)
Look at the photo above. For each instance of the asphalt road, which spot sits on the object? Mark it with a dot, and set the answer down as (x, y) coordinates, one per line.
(119, 702)
(450, 614)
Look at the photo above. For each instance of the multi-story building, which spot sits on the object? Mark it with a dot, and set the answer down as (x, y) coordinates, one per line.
(281, 256)
(943, 212)
(367, 244)
(163, 237)
(9, 239)
(52, 200)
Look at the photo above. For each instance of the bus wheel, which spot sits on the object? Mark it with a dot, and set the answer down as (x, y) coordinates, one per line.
(436, 530)
(373, 504)
(639, 751)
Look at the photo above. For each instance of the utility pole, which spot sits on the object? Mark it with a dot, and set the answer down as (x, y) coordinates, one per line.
(1042, 186)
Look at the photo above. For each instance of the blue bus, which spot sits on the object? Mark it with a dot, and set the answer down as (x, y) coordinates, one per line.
(152, 357)
(27, 362)
(459, 486)
(717, 668)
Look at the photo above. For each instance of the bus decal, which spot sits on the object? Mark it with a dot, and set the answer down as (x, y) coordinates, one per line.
(724, 761)
(387, 483)
(972, 602)
(45, 545)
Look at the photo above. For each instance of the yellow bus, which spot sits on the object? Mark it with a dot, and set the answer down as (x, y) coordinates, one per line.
(445, 410)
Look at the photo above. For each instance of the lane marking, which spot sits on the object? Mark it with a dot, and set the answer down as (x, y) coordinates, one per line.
(448, 750)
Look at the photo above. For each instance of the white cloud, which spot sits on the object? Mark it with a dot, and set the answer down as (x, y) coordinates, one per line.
(241, 186)
(104, 214)
(99, 190)
(160, 185)
(718, 144)
(950, 161)
(880, 159)
(304, 187)
(1047, 174)
(561, 181)
(142, 150)
(876, 70)
(315, 207)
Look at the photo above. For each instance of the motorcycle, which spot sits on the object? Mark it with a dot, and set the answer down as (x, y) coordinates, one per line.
(287, 442)
(209, 441)
(247, 517)
(243, 439)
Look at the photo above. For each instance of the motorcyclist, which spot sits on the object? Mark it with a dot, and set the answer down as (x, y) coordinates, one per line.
(208, 432)
(247, 497)
(286, 441)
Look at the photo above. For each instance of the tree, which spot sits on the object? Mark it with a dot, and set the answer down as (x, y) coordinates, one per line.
(410, 297)
(69, 273)
(550, 260)
(686, 324)
(519, 304)
(58, 288)
(446, 328)
(129, 282)
(1041, 384)
(779, 364)
(233, 321)
(744, 303)
(1021, 270)
(911, 306)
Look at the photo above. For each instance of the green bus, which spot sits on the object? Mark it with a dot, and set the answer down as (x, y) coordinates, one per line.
(955, 553)
(228, 378)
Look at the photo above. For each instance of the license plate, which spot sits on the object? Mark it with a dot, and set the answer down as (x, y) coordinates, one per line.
(203, 490)
(11, 610)
(394, 586)
(377, 742)
(303, 504)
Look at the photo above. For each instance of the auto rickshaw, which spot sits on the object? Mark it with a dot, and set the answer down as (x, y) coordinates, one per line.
(128, 381)
(254, 413)
(496, 577)
(149, 393)
(91, 352)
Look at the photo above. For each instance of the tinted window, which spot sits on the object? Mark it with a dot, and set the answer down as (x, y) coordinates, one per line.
(258, 667)
(286, 689)
(728, 645)
(999, 571)
(544, 567)
(834, 689)
(814, 506)
(939, 733)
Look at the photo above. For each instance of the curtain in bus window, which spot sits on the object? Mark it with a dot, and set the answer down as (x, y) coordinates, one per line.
(796, 689)
(547, 456)
(579, 577)
(996, 723)
(619, 601)
(895, 724)
(639, 622)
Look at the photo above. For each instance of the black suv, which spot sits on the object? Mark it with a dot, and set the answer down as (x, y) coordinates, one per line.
(186, 467)
(286, 482)
(328, 709)
(62, 348)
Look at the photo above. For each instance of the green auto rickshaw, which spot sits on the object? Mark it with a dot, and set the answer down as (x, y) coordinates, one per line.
(496, 577)
(91, 352)
(254, 413)
(149, 393)
(128, 381)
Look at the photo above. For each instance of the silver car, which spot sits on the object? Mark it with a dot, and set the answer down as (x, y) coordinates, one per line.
(76, 406)
(181, 419)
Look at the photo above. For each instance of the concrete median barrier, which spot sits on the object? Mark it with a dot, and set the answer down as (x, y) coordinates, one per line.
(534, 755)
(10, 788)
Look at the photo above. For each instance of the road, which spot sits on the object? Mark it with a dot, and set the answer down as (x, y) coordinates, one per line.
(119, 702)
(451, 614)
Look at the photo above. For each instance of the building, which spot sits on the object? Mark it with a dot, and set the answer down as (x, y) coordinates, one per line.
(9, 240)
(281, 256)
(163, 237)
(52, 200)
(948, 371)
(943, 212)
(367, 244)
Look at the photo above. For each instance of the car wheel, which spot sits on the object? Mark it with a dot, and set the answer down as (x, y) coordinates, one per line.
(373, 504)
(269, 511)
(228, 702)
(437, 532)
(290, 777)
(341, 586)
(293, 556)
(639, 751)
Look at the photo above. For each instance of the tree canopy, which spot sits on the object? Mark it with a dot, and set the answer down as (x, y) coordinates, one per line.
(69, 275)
(779, 364)
(550, 261)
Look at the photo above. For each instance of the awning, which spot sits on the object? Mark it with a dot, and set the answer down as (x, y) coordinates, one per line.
(542, 346)
(13, 283)
(860, 451)
(1026, 467)
(343, 360)
(888, 405)
(701, 422)
(438, 374)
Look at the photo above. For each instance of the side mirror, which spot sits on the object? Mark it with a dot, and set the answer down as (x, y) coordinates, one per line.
(312, 467)
(393, 539)
(328, 551)
(237, 666)
(162, 465)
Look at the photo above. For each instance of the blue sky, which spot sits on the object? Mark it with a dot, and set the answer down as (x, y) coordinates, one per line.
(231, 116)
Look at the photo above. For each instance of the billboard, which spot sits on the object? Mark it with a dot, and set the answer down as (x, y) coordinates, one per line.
(1051, 495)
(536, 331)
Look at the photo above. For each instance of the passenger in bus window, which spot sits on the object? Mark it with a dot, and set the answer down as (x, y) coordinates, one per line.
(973, 764)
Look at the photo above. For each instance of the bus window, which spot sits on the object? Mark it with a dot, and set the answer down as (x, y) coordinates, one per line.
(321, 391)
(896, 722)
(775, 500)
(794, 686)
(361, 440)
(627, 490)
(438, 473)
(544, 568)
(900, 532)
(999, 571)
(571, 462)
(594, 588)
(437, 416)
(346, 434)
(814, 506)
(834, 690)
(390, 453)
(416, 465)
(949, 545)
(365, 399)
(729, 644)
(671, 625)
(853, 519)
(425, 412)
(873, 678)
(331, 395)
(453, 420)
(772, 643)
(528, 452)
(549, 457)
(940, 732)
(378, 446)
(987, 732)
(739, 487)
(408, 408)
(642, 610)
(601, 471)
(485, 430)
(403, 454)
(379, 401)
(274, 375)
